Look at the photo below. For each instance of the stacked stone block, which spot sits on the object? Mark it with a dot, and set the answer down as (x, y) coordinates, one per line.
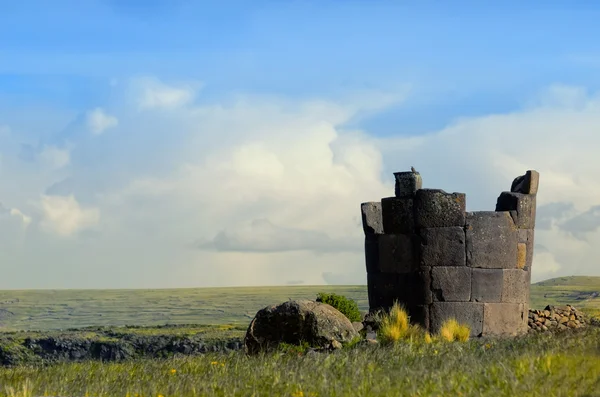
(424, 250)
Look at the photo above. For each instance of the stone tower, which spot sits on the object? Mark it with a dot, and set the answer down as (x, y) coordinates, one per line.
(425, 251)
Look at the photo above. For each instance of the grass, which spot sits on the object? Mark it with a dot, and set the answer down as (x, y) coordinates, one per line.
(580, 291)
(566, 364)
(63, 309)
(536, 365)
(395, 327)
(453, 331)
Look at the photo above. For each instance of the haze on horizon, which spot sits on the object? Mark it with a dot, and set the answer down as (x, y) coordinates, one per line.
(192, 144)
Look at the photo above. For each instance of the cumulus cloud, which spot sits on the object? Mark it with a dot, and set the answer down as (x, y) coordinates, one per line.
(99, 121)
(260, 235)
(584, 223)
(547, 215)
(54, 157)
(24, 218)
(556, 135)
(271, 188)
(152, 93)
(64, 216)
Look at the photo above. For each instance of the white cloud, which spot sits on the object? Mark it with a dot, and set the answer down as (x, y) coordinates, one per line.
(260, 235)
(64, 216)
(292, 163)
(55, 157)
(99, 121)
(24, 218)
(153, 93)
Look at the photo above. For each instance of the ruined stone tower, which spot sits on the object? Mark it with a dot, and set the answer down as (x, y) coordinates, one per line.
(425, 251)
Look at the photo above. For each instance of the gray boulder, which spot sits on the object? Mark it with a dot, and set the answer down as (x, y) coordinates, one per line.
(298, 321)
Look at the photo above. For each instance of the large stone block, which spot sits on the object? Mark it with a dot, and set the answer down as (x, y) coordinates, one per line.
(436, 208)
(527, 184)
(503, 319)
(521, 206)
(487, 285)
(382, 290)
(407, 183)
(372, 252)
(491, 240)
(515, 286)
(521, 255)
(397, 215)
(371, 218)
(451, 283)
(396, 253)
(469, 313)
(407, 289)
(419, 314)
(442, 246)
(525, 315)
(526, 237)
(416, 287)
(528, 291)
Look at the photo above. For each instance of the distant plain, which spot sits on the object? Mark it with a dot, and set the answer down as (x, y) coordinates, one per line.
(64, 309)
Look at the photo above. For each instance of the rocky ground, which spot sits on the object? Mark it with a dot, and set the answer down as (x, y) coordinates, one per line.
(121, 343)
(116, 344)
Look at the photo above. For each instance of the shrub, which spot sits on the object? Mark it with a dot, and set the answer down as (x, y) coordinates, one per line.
(453, 331)
(353, 343)
(293, 349)
(346, 306)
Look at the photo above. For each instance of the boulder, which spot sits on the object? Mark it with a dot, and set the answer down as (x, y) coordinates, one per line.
(293, 322)
(358, 326)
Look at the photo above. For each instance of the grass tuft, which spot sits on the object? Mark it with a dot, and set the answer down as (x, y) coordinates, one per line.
(452, 331)
(394, 325)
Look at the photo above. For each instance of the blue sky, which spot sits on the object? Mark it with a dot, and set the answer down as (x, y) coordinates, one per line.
(116, 117)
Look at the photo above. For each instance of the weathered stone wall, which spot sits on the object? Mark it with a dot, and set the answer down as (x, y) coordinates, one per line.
(425, 251)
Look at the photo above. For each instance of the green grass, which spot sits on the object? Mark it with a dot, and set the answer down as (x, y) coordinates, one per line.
(210, 333)
(580, 291)
(64, 309)
(566, 364)
(536, 365)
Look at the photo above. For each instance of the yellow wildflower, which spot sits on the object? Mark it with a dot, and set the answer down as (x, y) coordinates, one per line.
(173, 371)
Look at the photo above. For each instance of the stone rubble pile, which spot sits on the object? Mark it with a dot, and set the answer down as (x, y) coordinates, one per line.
(554, 318)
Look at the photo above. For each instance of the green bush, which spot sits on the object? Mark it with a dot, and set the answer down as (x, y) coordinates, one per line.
(346, 306)
(290, 348)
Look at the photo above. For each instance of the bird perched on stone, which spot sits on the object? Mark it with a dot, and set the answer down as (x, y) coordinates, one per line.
(413, 169)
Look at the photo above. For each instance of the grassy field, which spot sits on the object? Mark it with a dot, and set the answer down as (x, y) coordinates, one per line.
(567, 364)
(63, 309)
(536, 365)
